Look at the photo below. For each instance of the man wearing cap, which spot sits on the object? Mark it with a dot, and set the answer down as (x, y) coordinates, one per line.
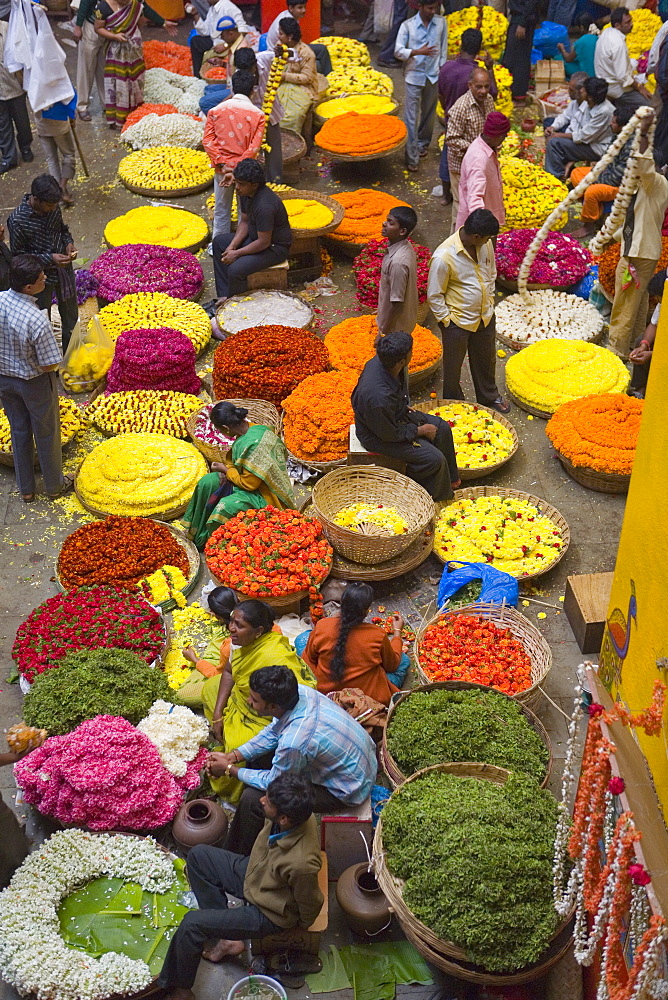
(480, 184)
(219, 51)
(466, 119)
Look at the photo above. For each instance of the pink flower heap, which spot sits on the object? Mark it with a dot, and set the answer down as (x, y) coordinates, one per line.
(367, 265)
(105, 775)
(153, 359)
(560, 262)
(142, 267)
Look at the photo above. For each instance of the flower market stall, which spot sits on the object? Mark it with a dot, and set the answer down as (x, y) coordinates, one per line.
(351, 344)
(484, 440)
(153, 310)
(161, 358)
(365, 211)
(354, 136)
(166, 171)
(316, 419)
(159, 225)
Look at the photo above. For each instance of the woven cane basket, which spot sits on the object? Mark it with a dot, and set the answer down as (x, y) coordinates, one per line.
(344, 247)
(418, 379)
(602, 482)
(392, 769)
(349, 158)
(466, 474)
(370, 484)
(520, 628)
(515, 345)
(259, 412)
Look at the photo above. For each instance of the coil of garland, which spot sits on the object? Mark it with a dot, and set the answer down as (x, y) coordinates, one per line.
(494, 27)
(141, 267)
(479, 439)
(276, 70)
(363, 104)
(360, 135)
(545, 314)
(165, 130)
(317, 417)
(168, 55)
(561, 261)
(599, 432)
(153, 310)
(305, 213)
(159, 225)
(151, 109)
(530, 194)
(153, 359)
(183, 92)
(351, 344)
(366, 210)
(552, 372)
(143, 411)
(359, 80)
(367, 265)
(70, 425)
(166, 168)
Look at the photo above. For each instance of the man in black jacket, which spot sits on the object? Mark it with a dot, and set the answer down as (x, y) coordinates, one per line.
(522, 17)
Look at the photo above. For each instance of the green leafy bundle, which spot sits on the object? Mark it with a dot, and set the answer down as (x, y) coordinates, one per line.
(476, 859)
(439, 726)
(90, 682)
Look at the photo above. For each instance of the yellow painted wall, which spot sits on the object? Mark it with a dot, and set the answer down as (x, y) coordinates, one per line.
(638, 612)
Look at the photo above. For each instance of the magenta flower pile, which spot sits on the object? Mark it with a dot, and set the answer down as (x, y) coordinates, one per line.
(561, 261)
(142, 267)
(87, 618)
(153, 359)
(367, 265)
(105, 775)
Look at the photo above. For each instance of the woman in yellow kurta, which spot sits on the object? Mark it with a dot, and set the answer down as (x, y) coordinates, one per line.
(225, 696)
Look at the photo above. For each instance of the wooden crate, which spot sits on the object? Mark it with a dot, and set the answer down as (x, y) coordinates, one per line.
(586, 606)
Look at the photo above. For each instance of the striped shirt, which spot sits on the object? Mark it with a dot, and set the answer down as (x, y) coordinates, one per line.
(42, 236)
(461, 290)
(319, 738)
(27, 343)
(465, 123)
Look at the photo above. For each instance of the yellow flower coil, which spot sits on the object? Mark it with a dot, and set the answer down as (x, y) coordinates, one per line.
(363, 104)
(151, 310)
(494, 28)
(480, 440)
(345, 51)
(305, 213)
(359, 80)
(157, 224)
(70, 424)
(166, 168)
(529, 194)
(148, 411)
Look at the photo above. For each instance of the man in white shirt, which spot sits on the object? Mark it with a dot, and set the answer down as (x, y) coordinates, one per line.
(298, 11)
(422, 46)
(222, 15)
(590, 139)
(613, 63)
(571, 118)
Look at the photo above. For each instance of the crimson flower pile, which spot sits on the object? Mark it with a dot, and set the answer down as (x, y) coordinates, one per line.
(154, 359)
(87, 618)
(560, 262)
(367, 265)
(143, 267)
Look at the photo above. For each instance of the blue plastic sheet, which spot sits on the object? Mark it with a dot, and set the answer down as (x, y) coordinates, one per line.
(546, 38)
(584, 285)
(497, 587)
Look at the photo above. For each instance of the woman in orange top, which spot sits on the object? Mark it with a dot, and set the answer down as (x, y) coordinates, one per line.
(345, 651)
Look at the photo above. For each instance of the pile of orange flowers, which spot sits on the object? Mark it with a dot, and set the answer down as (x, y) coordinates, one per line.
(169, 56)
(317, 417)
(350, 345)
(598, 432)
(609, 259)
(216, 73)
(366, 211)
(152, 109)
(361, 135)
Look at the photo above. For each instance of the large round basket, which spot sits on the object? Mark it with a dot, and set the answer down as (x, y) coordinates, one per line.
(193, 248)
(602, 482)
(293, 146)
(348, 158)
(282, 602)
(320, 121)
(259, 412)
(322, 468)
(467, 474)
(174, 193)
(392, 769)
(371, 484)
(266, 307)
(443, 954)
(170, 514)
(337, 210)
(545, 508)
(515, 345)
(520, 628)
(416, 380)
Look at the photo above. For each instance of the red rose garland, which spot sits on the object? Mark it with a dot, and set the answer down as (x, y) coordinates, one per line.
(367, 265)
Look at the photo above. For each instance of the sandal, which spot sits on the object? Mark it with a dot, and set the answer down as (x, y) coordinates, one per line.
(294, 963)
(68, 486)
(85, 116)
(501, 406)
(28, 497)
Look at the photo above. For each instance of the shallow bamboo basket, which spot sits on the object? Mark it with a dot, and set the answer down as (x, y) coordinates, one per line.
(521, 629)
(337, 210)
(466, 474)
(349, 158)
(602, 482)
(417, 379)
(392, 769)
(173, 193)
(371, 484)
(543, 414)
(259, 412)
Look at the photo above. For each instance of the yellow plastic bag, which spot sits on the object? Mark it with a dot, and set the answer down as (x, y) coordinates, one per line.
(88, 357)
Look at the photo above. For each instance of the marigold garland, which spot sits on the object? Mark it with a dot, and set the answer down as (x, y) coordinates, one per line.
(598, 432)
(168, 55)
(494, 27)
(143, 411)
(307, 213)
(466, 648)
(166, 168)
(351, 344)
(530, 194)
(609, 259)
(364, 104)
(153, 310)
(358, 80)
(318, 415)
(367, 265)
(161, 225)
(360, 135)
(366, 210)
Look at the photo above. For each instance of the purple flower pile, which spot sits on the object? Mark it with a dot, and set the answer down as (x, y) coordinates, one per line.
(153, 359)
(142, 267)
(86, 284)
(561, 261)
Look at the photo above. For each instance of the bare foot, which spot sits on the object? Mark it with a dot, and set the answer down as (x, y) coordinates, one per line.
(446, 200)
(221, 301)
(582, 232)
(224, 949)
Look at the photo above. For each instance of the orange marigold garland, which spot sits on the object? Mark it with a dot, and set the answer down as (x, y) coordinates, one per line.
(169, 56)
(317, 417)
(351, 344)
(599, 432)
(366, 210)
(353, 134)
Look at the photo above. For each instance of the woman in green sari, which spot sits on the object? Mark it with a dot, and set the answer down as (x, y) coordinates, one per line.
(225, 696)
(253, 475)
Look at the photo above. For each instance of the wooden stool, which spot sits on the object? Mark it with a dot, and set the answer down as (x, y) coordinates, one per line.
(295, 937)
(340, 837)
(271, 277)
(358, 455)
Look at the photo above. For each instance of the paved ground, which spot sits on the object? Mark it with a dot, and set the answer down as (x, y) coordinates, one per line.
(31, 536)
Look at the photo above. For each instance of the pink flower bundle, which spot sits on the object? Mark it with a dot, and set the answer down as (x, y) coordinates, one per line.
(142, 267)
(560, 262)
(153, 359)
(368, 263)
(105, 775)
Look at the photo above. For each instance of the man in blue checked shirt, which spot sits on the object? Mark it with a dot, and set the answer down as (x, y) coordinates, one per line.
(310, 735)
(422, 46)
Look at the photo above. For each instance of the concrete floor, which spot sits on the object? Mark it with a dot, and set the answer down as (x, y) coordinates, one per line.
(30, 536)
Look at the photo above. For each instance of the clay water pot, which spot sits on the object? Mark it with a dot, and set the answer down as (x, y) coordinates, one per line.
(528, 124)
(199, 821)
(363, 903)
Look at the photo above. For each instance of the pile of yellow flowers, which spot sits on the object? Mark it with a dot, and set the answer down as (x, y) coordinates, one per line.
(140, 475)
(529, 194)
(166, 168)
(494, 27)
(551, 372)
(70, 424)
(345, 51)
(306, 213)
(510, 146)
(359, 80)
(363, 104)
(504, 100)
(165, 584)
(157, 224)
(151, 310)
(143, 411)
(507, 532)
(177, 670)
(372, 519)
(645, 26)
(190, 623)
(480, 440)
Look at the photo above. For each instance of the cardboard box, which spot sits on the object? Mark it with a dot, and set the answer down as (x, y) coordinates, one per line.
(586, 606)
(548, 74)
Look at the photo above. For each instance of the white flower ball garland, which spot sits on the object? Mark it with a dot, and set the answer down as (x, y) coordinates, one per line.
(163, 87)
(165, 130)
(33, 955)
(176, 732)
(547, 314)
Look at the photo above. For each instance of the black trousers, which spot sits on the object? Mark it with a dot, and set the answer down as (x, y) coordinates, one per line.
(517, 58)
(199, 44)
(231, 278)
(432, 464)
(67, 307)
(482, 361)
(249, 817)
(323, 61)
(14, 115)
(212, 873)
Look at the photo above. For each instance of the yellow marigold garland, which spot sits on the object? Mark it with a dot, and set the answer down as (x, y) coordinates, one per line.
(530, 194)
(306, 213)
(160, 225)
(152, 310)
(494, 27)
(166, 168)
(317, 416)
(149, 411)
(363, 104)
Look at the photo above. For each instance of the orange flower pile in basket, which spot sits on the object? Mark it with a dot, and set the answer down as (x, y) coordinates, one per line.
(598, 432)
(317, 417)
(216, 73)
(466, 648)
(169, 56)
(609, 259)
(152, 109)
(366, 210)
(350, 345)
(361, 135)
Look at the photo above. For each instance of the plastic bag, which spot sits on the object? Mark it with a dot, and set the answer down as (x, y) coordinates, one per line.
(88, 357)
(547, 36)
(497, 587)
(49, 81)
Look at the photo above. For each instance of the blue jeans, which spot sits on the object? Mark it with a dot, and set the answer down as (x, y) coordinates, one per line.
(386, 54)
(419, 116)
(443, 168)
(397, 678)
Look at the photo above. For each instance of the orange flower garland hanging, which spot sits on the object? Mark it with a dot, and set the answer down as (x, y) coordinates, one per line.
(598, 432)
(366, 210)
(361, 135)
(351, 344)
(317, 417)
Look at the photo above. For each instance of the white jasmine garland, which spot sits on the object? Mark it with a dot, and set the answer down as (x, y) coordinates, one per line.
(564, 897)
(163, 87)
(176, 732)
(165, 130)
(545, 314)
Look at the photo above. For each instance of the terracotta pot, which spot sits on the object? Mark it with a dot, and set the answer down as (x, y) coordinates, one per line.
(528, 124)
(199, 821)
(363, 903)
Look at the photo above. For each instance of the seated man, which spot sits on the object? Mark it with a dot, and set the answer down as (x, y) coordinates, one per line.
(263, 235)
(607, 183)
(309, 734)
(278, 882)
(571, 117)
(207, 34)
(384, 422)
(590, 139)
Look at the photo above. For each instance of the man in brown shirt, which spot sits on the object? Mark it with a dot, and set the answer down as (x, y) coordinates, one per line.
(398, 291)
(465, 123)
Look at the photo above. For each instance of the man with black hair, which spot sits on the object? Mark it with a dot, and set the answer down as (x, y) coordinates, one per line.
(523, 15)
(590, 139)
(297, 10)
(612, 62)
(309, 735)
(422, 46)
(263, 235)
(278, 883)
(398, 291)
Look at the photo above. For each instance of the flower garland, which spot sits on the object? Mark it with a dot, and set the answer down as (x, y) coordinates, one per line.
(609, 259)
(360, 135)
(367, 265)
(351, 344)
(479, 439)
(166, 168)
(152, 310)
(164, 585)
(142, 267)
(276, 70)
(70, 424)
(165, 130)
(183, 92)
(598, 432)
(154, 359)
(365, 212)
(467, 648)
(530, 195)
(544, 314)
(363, 104)
(177, 733)
(143, 411)
(493, 25)
(150, 109)
(159, 225)
(168, 55)
(561, 261)
(86, 285)
(358, 80)
(306, 213)
(345, 51)
(317, 417)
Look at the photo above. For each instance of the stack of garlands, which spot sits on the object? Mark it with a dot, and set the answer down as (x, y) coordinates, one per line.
(351, 344)
(359, 80)
(609, 259)
(153, 359)
(278, 64)
(165, 130)
(345, 52)
(159, 225)
(266, 362)
(545, 313)
(530, 194)
(363, 104)
(166, 168)
(551, 372)
(366, 210)
(504, 97)
(361, 135)
(494, 27)
(317, 417)
(142, 267)
(153, 310)
(70, 424)
(149, 109)
(143, 411)
(465, 648)
(509, 533)
(87, 618)
(598, 432)
(216, 73)
(168, 55)
(306, 213)
(367, 265)
(184, 92)
(480, 440)
(561, 261)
